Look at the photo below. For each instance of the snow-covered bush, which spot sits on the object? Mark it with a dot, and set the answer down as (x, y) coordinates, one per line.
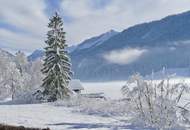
(28, 96)
(19, 77)
(10, 77)
(155, 104)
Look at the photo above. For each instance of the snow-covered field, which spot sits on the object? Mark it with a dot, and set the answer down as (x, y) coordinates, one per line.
(111, 90)
(56, 118)
(62, 118)
(66, 118)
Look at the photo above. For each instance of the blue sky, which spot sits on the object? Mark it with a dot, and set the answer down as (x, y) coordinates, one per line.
(23, 23)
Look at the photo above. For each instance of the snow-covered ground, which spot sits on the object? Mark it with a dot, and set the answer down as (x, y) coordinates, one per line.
(111, 90)
(62, 118)
(66, 118)
(56, 118)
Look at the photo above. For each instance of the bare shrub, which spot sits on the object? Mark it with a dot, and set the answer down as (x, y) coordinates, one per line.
(155, 104)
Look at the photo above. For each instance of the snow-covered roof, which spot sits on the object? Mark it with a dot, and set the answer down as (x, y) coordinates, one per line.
(75, 84)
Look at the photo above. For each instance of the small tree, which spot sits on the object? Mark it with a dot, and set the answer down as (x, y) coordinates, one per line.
(15, 80)
(11, 78)
(21, 61)
(57, 66)
(155, 104)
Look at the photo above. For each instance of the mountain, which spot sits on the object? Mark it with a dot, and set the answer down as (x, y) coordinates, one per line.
(71, 48)
(163, 32)
(89, 43)
(96, 41)
(141, 48)
(4, 53)
(35, 55)
(40, 53)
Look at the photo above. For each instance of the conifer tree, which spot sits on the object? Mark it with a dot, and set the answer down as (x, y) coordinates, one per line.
(57, 66)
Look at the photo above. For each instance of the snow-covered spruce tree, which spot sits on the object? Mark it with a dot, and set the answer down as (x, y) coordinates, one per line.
(57, 66)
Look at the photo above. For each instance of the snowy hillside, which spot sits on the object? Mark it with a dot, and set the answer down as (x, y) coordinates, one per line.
(96, 41)
(91, 42)
(141, 48)
(6, 54)
(35, 55)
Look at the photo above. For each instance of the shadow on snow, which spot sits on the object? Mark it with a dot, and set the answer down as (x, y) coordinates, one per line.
(96, 126)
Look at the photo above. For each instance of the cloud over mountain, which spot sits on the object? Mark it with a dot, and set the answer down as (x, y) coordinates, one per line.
(124, 56)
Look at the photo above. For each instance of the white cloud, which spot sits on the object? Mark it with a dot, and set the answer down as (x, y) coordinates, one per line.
(19, 41)
(87, 21)
(125, 56)
(28, 16)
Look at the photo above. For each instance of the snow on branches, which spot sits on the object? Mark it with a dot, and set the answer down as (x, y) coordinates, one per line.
(57, 66)
(155, 104)
(18, 76)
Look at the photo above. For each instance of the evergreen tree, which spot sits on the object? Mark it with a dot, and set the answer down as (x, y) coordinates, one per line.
(57, 66)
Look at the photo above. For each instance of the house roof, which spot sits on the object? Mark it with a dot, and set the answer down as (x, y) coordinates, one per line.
(75, 84)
